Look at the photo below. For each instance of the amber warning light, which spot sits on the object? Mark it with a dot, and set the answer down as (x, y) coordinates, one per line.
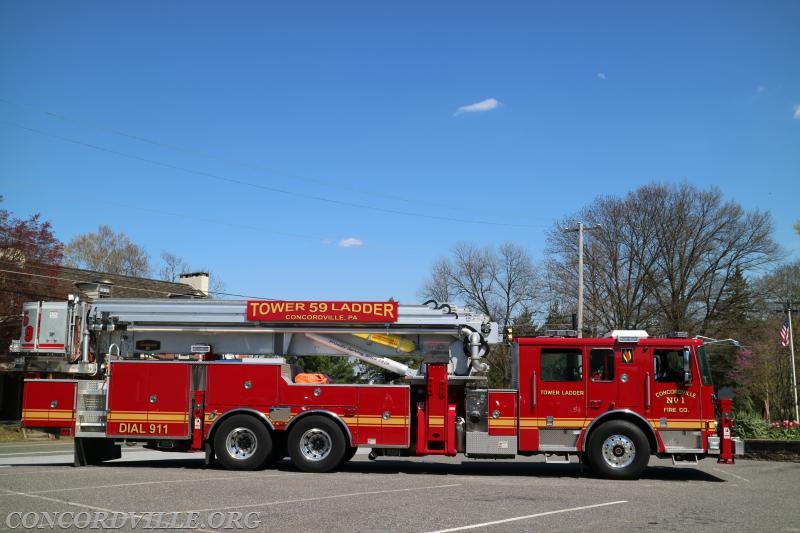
(316, 311)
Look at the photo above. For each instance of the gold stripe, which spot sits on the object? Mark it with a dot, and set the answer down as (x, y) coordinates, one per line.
(59, 414)
(158, 417)
(139, 416)
(530, 423)
(34, 412)
(151, 412)
(508, 423)
(126, 417)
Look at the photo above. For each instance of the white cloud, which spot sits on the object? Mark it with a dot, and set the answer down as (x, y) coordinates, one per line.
(760, 89)
(351, 241)
(797, 112)
(478, 107)
(601, 75)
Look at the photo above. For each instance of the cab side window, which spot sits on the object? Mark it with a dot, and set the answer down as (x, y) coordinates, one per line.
(561, 364)
(601, 364)
(668, 366)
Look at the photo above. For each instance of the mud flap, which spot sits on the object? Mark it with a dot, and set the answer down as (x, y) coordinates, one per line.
(93, 451)
(209, 459)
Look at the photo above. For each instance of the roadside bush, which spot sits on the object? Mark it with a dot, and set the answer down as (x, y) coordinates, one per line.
(751, 426)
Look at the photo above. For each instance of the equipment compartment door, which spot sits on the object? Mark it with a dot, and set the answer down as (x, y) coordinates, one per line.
(48, 403)
(149, 400)
(383, 416)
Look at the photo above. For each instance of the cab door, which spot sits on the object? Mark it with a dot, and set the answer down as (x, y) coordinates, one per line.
(560, 398)
(601, 387)
(674, 401)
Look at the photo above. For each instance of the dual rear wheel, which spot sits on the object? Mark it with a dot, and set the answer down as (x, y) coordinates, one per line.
(314, 444)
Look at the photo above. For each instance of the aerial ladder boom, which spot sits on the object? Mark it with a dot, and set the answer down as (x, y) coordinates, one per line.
(76, 337)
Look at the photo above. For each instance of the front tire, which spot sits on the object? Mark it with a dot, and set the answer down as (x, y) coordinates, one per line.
(242, 443)
(316, 444)
(618, 450)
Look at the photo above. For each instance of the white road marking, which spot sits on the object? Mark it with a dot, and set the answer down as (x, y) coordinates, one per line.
(321, 498)
(58, 452)
(528, 517)
(20, 472)
(92, 507)
(56, 500)
(729, 473)
(193, 480)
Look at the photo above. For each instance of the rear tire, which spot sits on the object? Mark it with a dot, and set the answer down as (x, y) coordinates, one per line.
(316, 444)
(618, 450)
(242, 443)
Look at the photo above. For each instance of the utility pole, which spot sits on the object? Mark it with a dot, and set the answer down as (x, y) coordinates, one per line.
(580, 229)
(788, 310)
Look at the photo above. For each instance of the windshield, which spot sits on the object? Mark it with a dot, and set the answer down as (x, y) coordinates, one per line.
(705, 368)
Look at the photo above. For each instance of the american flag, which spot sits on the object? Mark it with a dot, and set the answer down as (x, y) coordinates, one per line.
(785, 332)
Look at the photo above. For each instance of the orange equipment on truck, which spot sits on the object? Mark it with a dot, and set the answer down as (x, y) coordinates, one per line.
(211, 375)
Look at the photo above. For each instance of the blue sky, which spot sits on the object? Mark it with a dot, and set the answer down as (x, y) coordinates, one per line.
(336, 149)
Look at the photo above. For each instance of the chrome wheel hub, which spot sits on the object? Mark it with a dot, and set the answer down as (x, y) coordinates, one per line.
(315, 444)
(241, 443)
(618, 451)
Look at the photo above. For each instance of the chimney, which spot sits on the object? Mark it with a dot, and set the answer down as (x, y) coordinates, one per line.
(196, 280)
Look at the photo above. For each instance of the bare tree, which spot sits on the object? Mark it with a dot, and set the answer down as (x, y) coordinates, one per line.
(501, 283)
(781, 284)
(107, 251)
(665, 257)
(172, 266)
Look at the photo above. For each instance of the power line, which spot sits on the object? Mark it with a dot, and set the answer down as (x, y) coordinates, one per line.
(251, 165)
(227, 179)
(141, 289)
(210, 155)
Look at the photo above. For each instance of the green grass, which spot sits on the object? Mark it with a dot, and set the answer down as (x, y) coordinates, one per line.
(10, 432)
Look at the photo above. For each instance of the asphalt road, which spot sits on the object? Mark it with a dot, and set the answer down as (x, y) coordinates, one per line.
(421, 495)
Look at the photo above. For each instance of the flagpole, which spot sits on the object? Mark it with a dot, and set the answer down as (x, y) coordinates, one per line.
(791, 351)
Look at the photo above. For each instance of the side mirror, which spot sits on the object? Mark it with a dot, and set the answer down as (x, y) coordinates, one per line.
(687, 367)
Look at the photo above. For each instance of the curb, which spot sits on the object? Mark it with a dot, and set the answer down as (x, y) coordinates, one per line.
(772, 450)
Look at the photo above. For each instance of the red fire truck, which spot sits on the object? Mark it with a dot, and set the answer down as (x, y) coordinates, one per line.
(215, 376)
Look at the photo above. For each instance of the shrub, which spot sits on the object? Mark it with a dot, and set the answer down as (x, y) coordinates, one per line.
(751, 426)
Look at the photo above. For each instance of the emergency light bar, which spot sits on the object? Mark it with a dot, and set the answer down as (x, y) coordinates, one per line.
(560, 333)
(627, 335)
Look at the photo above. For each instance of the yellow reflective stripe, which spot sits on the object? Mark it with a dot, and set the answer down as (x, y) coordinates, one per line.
(679, 424)
(125, 416)
(502, 422)
(60, 414)
(167, 418)
(530, 423)
(143, 416)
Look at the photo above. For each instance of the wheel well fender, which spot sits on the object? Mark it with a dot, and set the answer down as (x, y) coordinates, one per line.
(628, 416)
(327, 414)
(261, 417)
